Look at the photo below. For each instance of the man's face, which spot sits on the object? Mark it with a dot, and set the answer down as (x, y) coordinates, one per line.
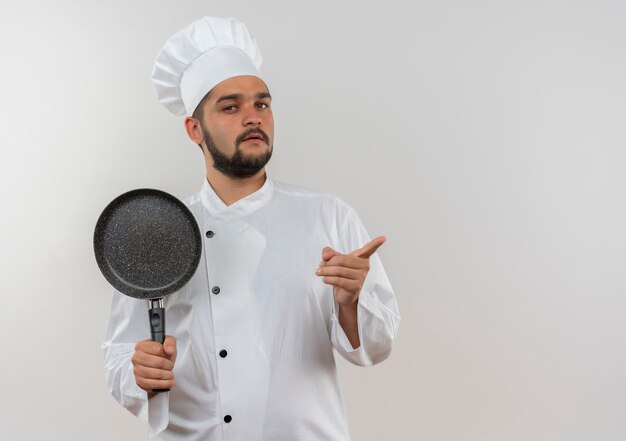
(238, 126)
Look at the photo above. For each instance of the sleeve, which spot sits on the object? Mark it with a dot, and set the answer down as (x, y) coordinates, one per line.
(378, 316)
(128, 324)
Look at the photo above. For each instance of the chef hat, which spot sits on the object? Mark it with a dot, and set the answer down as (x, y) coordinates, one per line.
(200, 56)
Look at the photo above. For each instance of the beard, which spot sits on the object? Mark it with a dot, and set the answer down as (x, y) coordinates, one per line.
(238, 166)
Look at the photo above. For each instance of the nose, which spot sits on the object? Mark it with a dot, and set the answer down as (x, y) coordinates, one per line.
(251, 117)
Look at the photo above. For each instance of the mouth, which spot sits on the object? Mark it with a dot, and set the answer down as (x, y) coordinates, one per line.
(253, 136)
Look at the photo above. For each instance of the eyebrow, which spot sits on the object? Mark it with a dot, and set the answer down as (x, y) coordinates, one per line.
(261, 95)
(239, 96)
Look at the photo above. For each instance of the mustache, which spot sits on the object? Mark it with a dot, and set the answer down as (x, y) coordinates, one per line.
(252, 131)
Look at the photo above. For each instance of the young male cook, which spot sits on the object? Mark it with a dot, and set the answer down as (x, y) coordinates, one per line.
(287, 274)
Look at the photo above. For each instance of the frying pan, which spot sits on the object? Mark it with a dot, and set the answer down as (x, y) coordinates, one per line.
(147, 245)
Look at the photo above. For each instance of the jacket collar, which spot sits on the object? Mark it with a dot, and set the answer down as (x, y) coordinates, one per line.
(220, 212)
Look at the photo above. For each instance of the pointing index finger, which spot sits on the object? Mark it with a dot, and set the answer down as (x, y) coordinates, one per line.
(369, 248)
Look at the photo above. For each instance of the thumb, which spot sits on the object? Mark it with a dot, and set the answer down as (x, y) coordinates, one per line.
(169, 345)
(328, 253)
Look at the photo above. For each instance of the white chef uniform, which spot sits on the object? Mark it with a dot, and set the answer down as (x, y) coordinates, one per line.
(255, 327)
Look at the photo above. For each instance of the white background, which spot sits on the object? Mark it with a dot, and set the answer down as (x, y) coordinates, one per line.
(484, 138)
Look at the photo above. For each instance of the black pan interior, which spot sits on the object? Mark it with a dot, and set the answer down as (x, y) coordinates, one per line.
(147, 244)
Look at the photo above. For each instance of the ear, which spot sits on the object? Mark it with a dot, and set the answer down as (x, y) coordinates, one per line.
(193, 129)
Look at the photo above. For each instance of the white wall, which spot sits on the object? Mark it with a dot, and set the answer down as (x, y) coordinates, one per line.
(485, 138)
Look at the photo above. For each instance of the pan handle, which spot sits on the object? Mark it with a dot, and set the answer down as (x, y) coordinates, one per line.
(156, 313)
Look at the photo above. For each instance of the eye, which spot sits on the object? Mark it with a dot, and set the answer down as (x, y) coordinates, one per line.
(262, 105)
(230, 108)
